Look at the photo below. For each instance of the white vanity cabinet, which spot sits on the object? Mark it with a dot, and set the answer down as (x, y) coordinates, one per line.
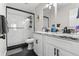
(49, 45)
(53, 48)
(49, 50)
(38, 45)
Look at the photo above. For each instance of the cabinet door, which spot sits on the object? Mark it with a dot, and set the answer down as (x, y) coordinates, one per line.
(49, 49)
(40, 45)
(35, 47)
(63, 52)
(44, 44)
(35, 44)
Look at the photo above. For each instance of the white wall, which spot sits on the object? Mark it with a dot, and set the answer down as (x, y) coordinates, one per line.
(62, 17)
(39, 22)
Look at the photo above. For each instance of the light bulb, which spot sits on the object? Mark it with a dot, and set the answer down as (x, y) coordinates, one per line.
(46, 6)
(54, 4)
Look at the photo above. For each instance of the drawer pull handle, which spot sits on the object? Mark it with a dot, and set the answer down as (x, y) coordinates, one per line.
(57, 52)
(54, 51)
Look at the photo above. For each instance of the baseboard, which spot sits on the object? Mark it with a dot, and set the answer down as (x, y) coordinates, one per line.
(23, 45)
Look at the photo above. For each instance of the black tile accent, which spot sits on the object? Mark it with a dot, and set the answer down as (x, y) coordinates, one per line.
(25, 52)
(23, 45)
(19, 10)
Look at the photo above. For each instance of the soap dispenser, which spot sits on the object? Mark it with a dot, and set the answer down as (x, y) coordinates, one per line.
(53, 28)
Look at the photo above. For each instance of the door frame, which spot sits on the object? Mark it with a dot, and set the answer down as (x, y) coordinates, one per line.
(8, 7)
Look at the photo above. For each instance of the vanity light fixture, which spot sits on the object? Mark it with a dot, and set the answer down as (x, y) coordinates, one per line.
(49, 5)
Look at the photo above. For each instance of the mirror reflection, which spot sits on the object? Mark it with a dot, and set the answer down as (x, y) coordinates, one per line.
(49, 15)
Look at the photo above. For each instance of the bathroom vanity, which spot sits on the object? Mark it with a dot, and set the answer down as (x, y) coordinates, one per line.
(56, 44)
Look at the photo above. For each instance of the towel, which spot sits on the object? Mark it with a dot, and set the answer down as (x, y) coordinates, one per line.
(3, 25)
(0, 25)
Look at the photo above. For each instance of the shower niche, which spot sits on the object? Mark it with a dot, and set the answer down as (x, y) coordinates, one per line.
(30, 17)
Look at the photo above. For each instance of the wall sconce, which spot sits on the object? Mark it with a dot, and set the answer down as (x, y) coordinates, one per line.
(49, 5)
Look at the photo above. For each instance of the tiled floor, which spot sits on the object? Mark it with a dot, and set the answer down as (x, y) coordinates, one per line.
(25, 52)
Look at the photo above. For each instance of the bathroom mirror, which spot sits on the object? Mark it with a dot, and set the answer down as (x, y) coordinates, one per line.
(48, 16)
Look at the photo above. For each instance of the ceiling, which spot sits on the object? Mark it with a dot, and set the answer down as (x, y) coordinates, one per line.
(30, 7)
(62, 5)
